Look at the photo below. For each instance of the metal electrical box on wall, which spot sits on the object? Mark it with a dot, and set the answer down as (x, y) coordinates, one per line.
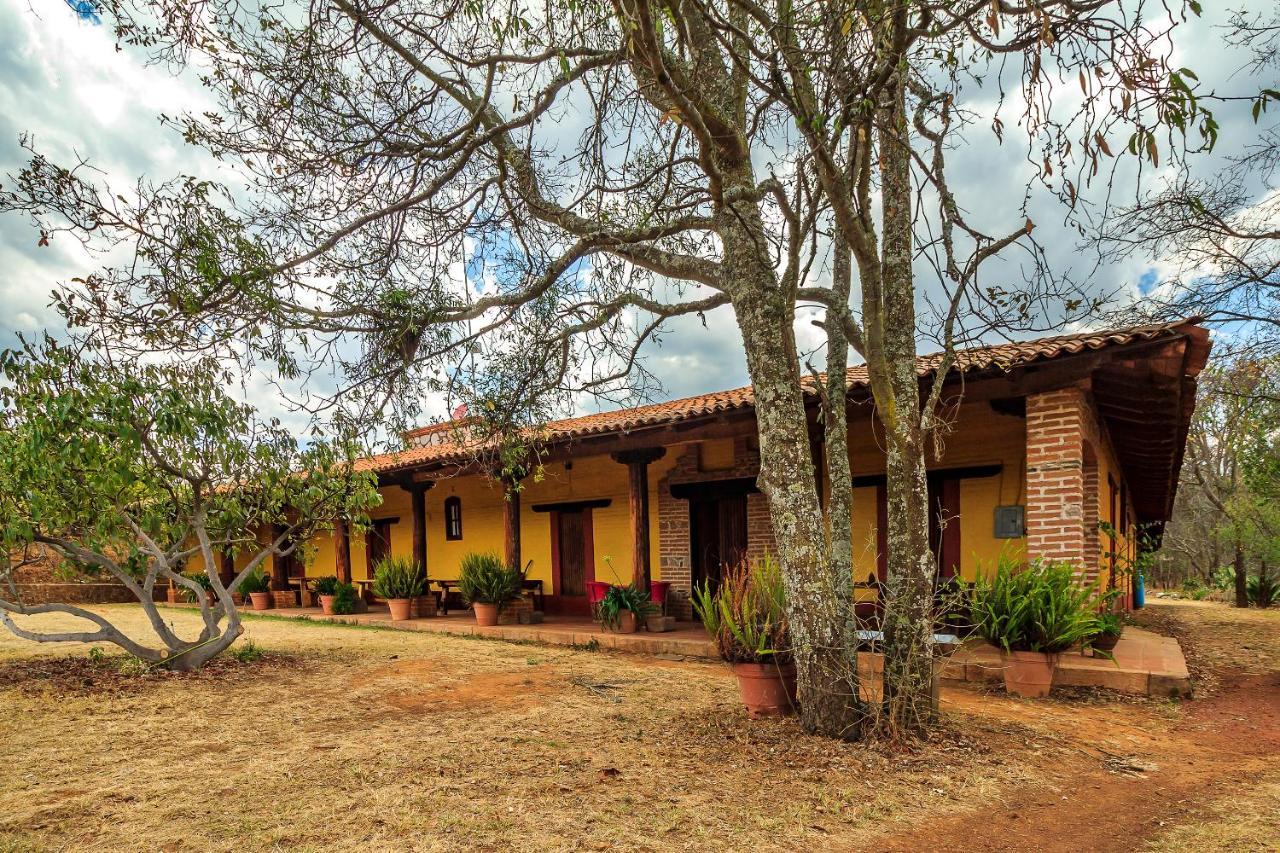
(1010, 522)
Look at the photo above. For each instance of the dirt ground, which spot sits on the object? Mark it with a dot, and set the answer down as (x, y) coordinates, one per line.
(372, 739)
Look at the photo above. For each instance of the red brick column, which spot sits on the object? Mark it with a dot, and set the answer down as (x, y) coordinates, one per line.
(1058, 425)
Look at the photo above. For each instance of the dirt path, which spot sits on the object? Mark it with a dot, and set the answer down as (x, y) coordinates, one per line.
(1171, 774)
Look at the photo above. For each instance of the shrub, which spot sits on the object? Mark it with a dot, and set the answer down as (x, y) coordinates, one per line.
(1039, 607)
(485, 579)
(620, 598)
(344, 599)
(326, 585)
(248, 652)
(747, 613)
(1262, 591)
(255, 581)
(398, 577)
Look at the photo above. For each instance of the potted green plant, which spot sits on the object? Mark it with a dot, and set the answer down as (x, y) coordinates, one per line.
(746, 616)
(326, 590)
(205, 584)
(1110, 628)
(399, 580)
(487, 583)
(1033, 613)
(257, 587)
(345, 597)
(622, 608)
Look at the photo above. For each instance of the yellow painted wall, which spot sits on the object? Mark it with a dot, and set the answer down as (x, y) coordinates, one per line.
(978, 436)
(589, 478)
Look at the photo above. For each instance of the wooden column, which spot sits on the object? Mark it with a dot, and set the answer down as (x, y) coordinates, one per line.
(342, 551)
(417, 500)
(511, 523)
(637, 462)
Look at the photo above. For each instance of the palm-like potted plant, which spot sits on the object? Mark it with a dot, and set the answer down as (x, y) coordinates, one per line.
(257, 587)
(399, 580)
(326, 589)
(622, 608)
(1033, 613)
(487, 583)
(746, 616)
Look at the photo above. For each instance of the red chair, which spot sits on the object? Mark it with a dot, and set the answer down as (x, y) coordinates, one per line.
(658, 594)
(596, 591)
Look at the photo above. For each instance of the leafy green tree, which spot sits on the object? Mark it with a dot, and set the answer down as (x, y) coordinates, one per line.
(128, 470)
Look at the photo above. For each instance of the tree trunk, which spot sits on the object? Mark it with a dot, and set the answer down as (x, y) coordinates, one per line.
(891, 362)
(1242, 577)
(192, 657)
(816, 607)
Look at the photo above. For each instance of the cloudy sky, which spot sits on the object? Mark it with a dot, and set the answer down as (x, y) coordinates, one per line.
(63, 81)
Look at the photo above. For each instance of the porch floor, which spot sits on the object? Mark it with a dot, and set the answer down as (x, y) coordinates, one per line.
(687, 640)
(1145, 663)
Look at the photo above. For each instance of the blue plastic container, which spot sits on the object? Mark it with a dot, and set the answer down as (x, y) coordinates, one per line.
(1139, 593)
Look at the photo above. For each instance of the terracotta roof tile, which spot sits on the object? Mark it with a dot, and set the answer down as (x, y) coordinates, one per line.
(997, 357)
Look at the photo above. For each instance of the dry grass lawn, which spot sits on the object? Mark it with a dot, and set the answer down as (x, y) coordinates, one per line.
(372, 739)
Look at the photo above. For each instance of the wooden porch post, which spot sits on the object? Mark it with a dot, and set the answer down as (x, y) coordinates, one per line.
(637, 462)
(511, 522)
(342, 551)
(417, 500)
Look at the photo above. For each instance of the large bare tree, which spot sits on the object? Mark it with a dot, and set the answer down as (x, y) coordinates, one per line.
(616, 165)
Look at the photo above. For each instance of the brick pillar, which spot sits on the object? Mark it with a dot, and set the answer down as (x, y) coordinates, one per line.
(1058, 425)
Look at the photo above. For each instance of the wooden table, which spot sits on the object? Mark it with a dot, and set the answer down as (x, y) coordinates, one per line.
(303, 592)
(446, 587)
(365, 585)
(451, 587)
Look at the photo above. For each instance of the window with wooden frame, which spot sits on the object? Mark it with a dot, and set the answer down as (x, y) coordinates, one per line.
(453, 518)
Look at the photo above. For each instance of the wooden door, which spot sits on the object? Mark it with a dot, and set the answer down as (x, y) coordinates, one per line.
(571, 542)
(717, 536)
(732, 513)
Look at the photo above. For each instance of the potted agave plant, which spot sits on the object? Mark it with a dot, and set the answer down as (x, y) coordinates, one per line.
(326, 589)
(399, 580)
(257, 587)
(746, 616)
(487, 583)
(1033, 613)
(622, 608)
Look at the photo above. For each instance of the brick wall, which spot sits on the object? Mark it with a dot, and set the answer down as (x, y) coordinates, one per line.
(1062, 490)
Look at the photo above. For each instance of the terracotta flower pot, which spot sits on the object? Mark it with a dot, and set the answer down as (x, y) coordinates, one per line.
(1028, 674)
(768, 689)
(172, 597)
(626, 623)
(261, 600)
(326, 604)
(400, 608)
(1104, 642)
(486, 614)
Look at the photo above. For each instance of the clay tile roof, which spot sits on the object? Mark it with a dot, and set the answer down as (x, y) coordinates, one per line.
(994, 358)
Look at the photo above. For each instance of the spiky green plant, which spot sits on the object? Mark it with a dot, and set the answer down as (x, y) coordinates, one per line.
(746, 614)
(255, 581)
(326, 585)
(397, 576)
(484, 578)
(1034, 607)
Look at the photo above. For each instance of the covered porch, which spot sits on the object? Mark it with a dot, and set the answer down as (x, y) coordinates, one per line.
(687, 640)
